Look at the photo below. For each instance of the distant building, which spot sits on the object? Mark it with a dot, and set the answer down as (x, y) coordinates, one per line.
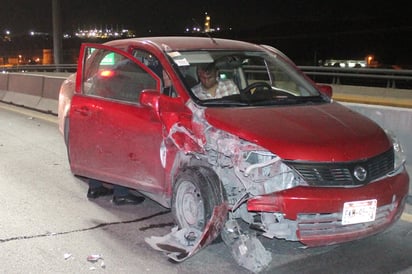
(207, 23)
(340, 63)
(104, 33)
(207, 27)
(368, 62)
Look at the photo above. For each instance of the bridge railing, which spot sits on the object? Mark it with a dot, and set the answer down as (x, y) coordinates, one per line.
(372, 77)
(40, 68)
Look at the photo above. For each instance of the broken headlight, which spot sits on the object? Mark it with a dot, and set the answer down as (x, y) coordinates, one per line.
(265, 168)
(399, 154)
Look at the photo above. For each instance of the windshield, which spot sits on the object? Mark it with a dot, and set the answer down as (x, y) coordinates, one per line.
(242, 78)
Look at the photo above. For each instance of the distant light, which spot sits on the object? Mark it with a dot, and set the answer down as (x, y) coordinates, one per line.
(31, 33)
(369, 59)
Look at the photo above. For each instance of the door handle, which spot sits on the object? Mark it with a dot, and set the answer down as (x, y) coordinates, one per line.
(84, 111)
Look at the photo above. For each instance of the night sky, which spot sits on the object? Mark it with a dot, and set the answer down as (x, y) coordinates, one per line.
(383, 26)
(165, 15)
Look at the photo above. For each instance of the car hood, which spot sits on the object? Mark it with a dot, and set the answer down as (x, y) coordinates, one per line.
(326, 132)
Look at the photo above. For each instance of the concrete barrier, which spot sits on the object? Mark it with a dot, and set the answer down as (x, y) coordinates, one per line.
(373, 95)
(4, 82)
(26, 90)
(40, 92)
(50, 95)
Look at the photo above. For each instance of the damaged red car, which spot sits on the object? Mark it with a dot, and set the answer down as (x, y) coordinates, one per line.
(270, 148)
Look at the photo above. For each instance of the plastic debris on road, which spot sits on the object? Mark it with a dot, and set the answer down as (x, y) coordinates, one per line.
(246, 248)
(67, 256)
(94, 258)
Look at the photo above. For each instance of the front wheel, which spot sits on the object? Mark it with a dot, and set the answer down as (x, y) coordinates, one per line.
(196, 192)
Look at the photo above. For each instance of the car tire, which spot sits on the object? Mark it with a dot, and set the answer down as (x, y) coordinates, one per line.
(197, 190)
(66, 130)
(66, 135)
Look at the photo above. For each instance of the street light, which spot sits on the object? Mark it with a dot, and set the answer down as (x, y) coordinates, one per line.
(369, 59)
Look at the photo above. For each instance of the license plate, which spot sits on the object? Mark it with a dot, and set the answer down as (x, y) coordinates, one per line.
(359, 212)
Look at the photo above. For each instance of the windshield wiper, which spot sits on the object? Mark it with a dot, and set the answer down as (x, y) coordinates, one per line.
(223, 102)
(286, 100)
(230, 100)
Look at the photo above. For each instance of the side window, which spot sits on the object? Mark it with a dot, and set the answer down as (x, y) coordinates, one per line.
(113, 76)
(153, 63)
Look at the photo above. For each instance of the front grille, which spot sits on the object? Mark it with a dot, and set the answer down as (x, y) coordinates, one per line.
(342, 174)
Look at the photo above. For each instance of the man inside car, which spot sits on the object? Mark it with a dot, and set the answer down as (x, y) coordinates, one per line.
(210, 85)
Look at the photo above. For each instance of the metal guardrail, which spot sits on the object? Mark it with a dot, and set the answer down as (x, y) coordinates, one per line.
(389, 78)
(373, 77)
(40, 68)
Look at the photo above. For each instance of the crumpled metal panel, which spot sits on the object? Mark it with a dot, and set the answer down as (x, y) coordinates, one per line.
(181, 244)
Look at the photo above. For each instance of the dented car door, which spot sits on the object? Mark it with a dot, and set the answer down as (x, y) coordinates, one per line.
(112, 136)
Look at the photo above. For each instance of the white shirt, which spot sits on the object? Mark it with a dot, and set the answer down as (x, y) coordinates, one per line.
(224, 88)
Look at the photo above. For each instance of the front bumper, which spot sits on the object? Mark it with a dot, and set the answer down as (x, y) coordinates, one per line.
(317, 211)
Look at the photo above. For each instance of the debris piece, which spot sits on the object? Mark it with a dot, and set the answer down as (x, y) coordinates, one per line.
(191, 237)
(249, 253)
(94, 258)
(246, 249)
(67, 256)
(184, 243)
(230, 232)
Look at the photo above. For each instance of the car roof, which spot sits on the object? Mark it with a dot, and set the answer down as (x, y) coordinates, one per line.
(176, 43)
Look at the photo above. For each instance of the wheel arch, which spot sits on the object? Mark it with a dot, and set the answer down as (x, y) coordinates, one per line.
(209, 183)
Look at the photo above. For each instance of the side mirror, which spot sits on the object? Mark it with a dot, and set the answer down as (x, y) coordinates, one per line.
(325, 89)
(150, 98)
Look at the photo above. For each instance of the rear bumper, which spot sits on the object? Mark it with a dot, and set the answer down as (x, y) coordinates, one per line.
(317, 211)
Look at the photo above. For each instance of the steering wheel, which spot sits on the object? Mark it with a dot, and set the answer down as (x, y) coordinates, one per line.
(252, 88)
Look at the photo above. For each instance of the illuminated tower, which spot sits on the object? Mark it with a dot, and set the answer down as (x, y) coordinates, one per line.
(207, 23)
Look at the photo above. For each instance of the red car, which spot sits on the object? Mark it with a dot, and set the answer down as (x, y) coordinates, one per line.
(266, 145)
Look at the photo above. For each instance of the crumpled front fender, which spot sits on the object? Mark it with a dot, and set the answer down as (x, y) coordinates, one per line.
(184, 243)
